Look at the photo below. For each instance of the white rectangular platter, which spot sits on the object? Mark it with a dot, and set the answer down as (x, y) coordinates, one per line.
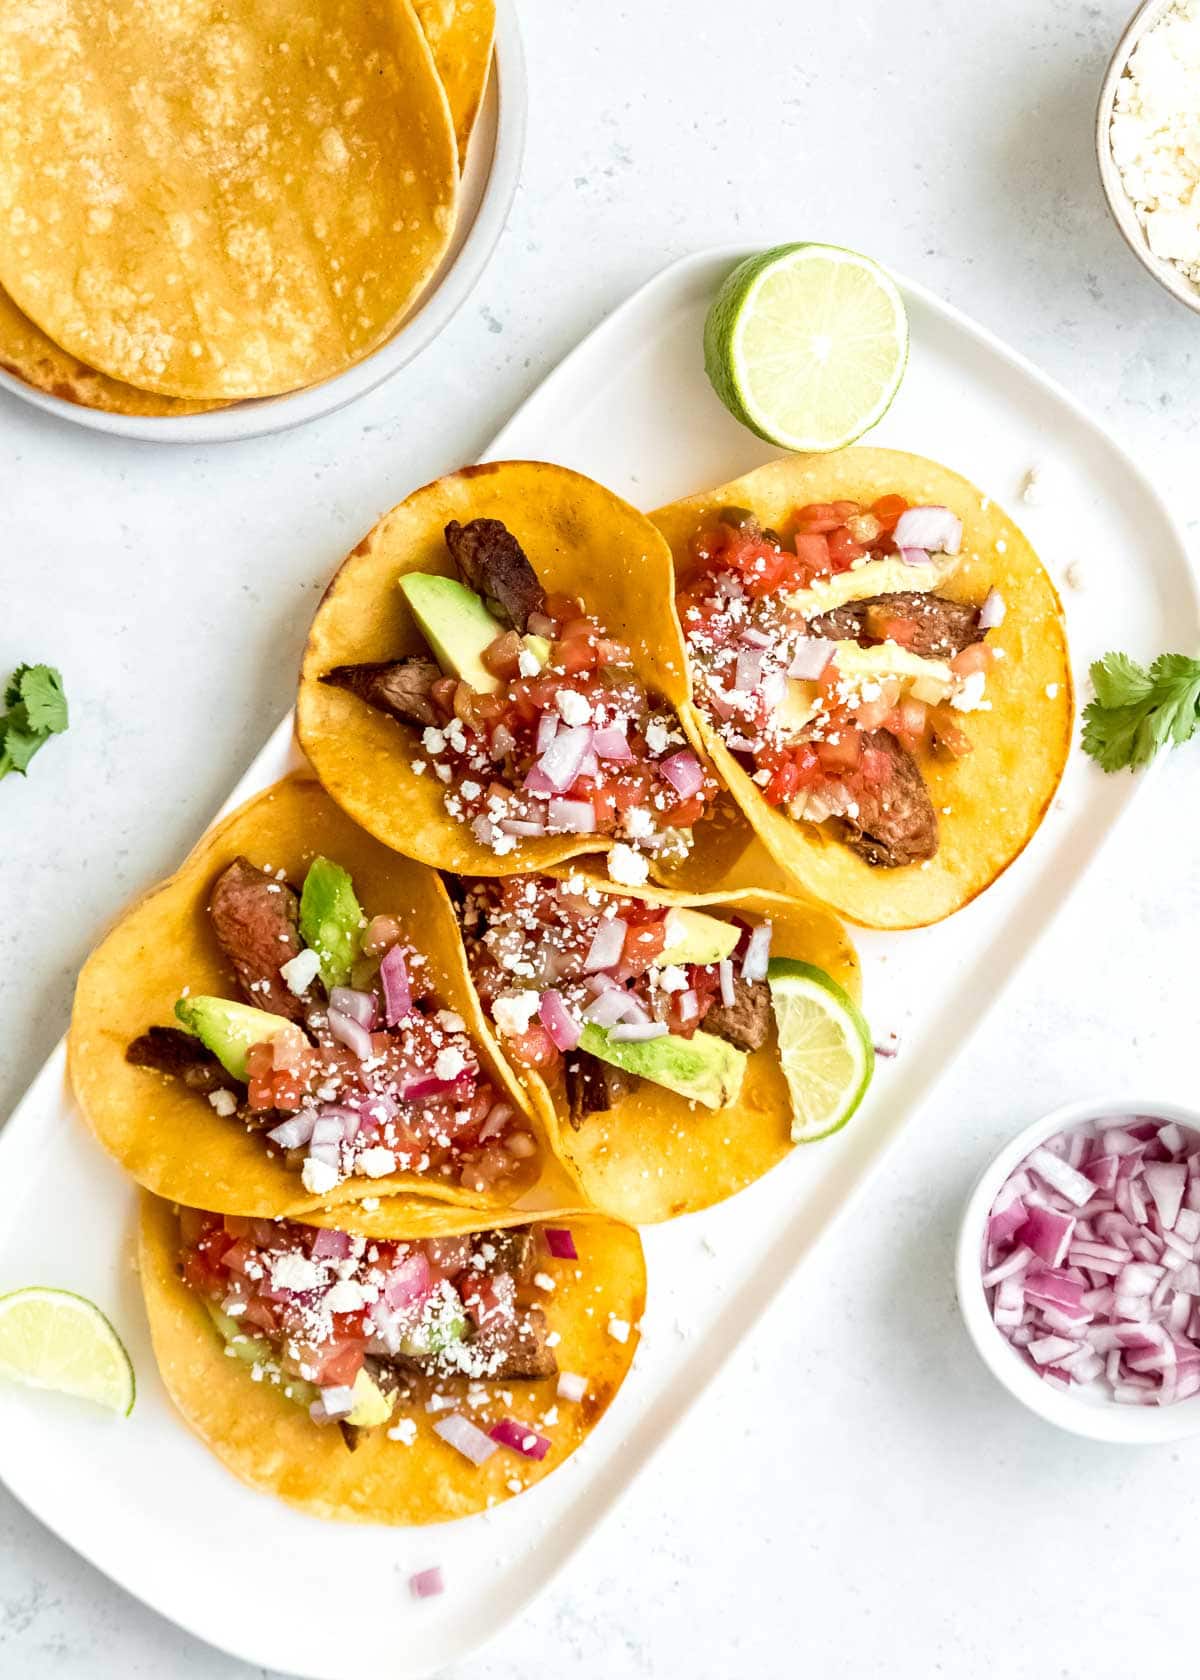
(145, 1502)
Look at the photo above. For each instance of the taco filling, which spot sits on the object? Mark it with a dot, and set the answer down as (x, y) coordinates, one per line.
(599, 993)
(831, 667)
(532, 717)
(356, 1330)
(337, 1054)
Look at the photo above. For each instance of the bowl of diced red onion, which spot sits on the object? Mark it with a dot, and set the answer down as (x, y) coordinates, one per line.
(1079, 1269)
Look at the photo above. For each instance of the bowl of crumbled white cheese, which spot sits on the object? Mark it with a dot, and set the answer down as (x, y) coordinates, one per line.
(1148, 142)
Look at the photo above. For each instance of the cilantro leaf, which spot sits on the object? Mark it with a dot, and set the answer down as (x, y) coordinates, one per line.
(45, 703)
(36, 710)
(1137, 711)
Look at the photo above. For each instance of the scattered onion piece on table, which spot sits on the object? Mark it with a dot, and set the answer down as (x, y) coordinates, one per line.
(1091, 1260)
(427, 1583)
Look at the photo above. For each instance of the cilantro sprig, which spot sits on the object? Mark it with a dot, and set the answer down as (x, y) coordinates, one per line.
(36, 709)
(1136, 711)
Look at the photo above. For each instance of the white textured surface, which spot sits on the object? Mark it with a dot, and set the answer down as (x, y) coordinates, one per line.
(858, 1498)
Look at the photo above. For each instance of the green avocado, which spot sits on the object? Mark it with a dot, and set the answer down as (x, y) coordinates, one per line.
(703, 1068)
(331, 920)
(457, 625)
(693, 937)
(433, 1334)
(229, 1029)
(371, 1405)
(539, 647)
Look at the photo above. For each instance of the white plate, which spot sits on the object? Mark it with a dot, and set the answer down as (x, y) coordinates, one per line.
(488, 185)
(146, 1503)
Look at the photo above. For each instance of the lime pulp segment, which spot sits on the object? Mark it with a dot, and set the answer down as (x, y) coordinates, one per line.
(825, 1047)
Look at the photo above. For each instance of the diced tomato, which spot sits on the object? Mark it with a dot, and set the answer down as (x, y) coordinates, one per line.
(864, 528)
(824, 516)
(642, 945)
(259, 1313)
(685, 814)
(888, 510)
(902, 631)
(792, 768)
(873, 714)
(442, 692)
(272, 1087)
(578, 654)
(947, 734)
(483, 1296)
(843, 550)
(842, 754)
(977, 657)
(609, 652)
(561, 608)
(604, 803)
(501, 656)
(237, 1254)
(577, 627)
(784, 784)
(534, 1047)
(333, 1364)
(812, 554)
(909, 723)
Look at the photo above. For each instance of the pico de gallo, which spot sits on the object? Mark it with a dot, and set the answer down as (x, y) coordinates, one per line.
(373, 1334)
(568, 972)
(532, 717)
(341, 1058)
(825, 658)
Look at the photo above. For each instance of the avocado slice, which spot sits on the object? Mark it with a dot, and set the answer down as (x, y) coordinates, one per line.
(888, 576)
(539, 647)
(434, 1334)
(693, 937)
(331, 920)
(703, 1068)
(371, 1405)
(229, 1029)
(457, 625)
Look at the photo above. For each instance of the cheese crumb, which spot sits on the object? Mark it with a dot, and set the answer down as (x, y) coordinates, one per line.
(224, 1102)
(318, 1176)
(572, 708)
(405, 1431)
(513, 1012)
(627, 867)
(618, 1329)
(450, 1062)
(299, 974)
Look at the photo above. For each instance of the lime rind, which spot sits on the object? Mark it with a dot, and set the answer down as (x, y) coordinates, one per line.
(737, 310)
(93, 1365)
(788, 976)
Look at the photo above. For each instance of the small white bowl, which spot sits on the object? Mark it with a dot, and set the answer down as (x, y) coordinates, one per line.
(1084, 1412)
(1119, 202)
(488, 187)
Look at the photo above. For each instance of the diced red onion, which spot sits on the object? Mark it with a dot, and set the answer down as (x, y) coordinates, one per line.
(1109, 1292)
(327, 1129)
(811, 657)
(747, 671)
(326, 1154)
(538, 624)
(560, 762)
(688, 1005)
(547, 730)
(331, 1245)
(932, 528)
(560, 1242)
(684, 772)
(295, 1132)
(991, 613)
(520, 1438)
(755, 638)
(408, 1281)
(590, 765)
(537, 781)
(427, 1583)
(611, 743)
(331, 1404)
(520, 829)
(916, 557)
(356, 1006)
(608, 942)
(637, 1032)
(725, 977)
(356, 1039)
(461, 1434)
(575, 816)
(558, 1021)
(607, 1008)
(758, 950)
(571, 1386)
(397, 992)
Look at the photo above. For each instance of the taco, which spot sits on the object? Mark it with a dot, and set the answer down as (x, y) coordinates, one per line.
(391, 1382)
(643, 1028)
(880, 673)
(491, 683)
(288, 1023)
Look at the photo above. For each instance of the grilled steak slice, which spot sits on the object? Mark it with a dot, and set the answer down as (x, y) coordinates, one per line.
(746, 1021)
(491, 560)
(175, 1052)
(399, 687)
(516, 1252)
(594, 1086)
(257, 923)
(896, 823)
(522, 1342)
(942, 628)
(350, 1433)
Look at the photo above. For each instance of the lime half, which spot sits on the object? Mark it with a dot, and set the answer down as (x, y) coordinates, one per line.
(50, 1338)
(824, 1046)
(806, 345)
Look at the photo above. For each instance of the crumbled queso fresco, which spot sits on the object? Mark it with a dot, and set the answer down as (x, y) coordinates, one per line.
(1155, 136)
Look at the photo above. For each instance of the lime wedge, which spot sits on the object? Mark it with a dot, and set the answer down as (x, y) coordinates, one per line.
(806, 345)
(824, 1046)
(50, 1338)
